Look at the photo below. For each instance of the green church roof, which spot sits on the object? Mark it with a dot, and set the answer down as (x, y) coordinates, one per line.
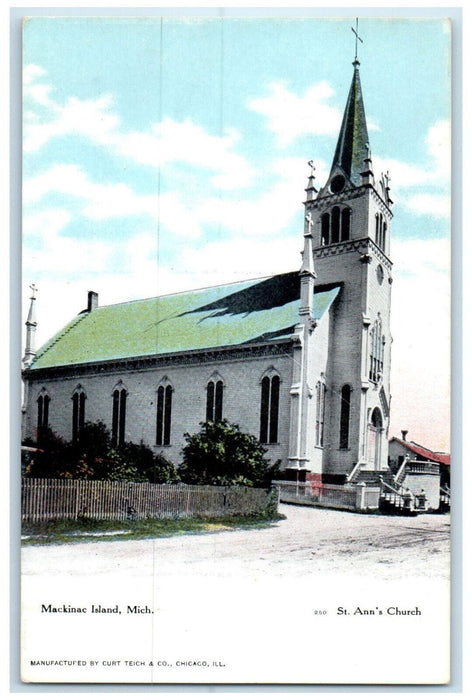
(241, 313)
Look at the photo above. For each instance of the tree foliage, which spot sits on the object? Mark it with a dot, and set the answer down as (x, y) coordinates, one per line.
(221, 454)
(93, 456)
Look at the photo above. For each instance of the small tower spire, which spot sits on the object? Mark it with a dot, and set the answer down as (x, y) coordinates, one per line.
(307, 270)
(31, 324)
(311, 190)
(367, 174)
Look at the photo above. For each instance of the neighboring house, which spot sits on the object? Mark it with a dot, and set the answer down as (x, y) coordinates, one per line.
(421, 470)
(398, 449)
(301, 359)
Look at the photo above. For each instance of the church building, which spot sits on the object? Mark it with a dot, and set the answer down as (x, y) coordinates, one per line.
(301, 360)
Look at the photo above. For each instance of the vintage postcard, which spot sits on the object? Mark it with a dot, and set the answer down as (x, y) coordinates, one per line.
(236, 353)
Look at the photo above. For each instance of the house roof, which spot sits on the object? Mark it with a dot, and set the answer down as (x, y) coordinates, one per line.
(424, 452)
(253, 311)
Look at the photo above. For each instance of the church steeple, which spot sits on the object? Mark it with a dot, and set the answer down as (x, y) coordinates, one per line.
(351, 147)
(31, 323)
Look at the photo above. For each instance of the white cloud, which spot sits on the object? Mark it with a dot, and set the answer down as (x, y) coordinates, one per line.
(436, 169)
(436, 205)
(290, 116)
(31, 72)
(166, 142)
(225, 261)
(112, 200)
(45, 225)
(420, 256)
(403, 175)
(275, 211)
(372, 126)
(89, 118)
(52, 252)
(188, 143)
(267, 215)
(425, 188)
(438, 142)
(65, 269)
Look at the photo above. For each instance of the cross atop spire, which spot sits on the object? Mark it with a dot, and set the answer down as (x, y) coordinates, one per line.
(358, 38)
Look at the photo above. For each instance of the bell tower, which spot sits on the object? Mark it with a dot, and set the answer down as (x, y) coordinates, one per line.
(351, 215)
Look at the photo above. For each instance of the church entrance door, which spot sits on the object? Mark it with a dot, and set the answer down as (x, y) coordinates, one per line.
(374, 443)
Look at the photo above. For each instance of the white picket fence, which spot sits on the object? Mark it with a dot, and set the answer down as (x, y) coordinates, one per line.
(59, 499)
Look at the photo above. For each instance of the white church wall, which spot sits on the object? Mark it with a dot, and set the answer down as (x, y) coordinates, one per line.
(345, 355)
(241, 400)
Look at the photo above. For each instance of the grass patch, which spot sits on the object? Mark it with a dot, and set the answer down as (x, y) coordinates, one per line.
(90, 530)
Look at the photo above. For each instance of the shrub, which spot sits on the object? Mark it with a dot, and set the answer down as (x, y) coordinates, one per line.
(94, 457)
(221, 454)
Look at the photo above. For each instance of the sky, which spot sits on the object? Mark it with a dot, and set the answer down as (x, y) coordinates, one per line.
(160, 156)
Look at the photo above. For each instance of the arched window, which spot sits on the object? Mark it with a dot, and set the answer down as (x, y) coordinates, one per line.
(380, 231)
(325, 229)
(164, 412)
(270, 393)
(335, 221)
(214, 406)
(43, 412)
(345, 417)
(320, 412)
(377, 228)
(376, 418)
(119, 415)
(377, 344)
(78, 412)
(346, 224)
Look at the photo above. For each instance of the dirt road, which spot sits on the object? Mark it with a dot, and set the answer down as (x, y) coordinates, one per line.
(251, 606)
(308, 540)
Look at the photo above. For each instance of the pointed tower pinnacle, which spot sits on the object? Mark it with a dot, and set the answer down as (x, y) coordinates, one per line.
(30, 351)
(353, 137)
(308, 267)
(311, 191)
(367, 175)
(307, 271)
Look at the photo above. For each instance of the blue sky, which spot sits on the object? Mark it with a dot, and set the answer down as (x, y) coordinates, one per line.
(161, 156)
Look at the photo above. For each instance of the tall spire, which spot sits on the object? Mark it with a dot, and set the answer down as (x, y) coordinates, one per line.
(353, 137)
(31, 324)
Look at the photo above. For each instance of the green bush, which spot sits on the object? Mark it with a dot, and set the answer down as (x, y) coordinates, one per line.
(93, 456)
(221, 454)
